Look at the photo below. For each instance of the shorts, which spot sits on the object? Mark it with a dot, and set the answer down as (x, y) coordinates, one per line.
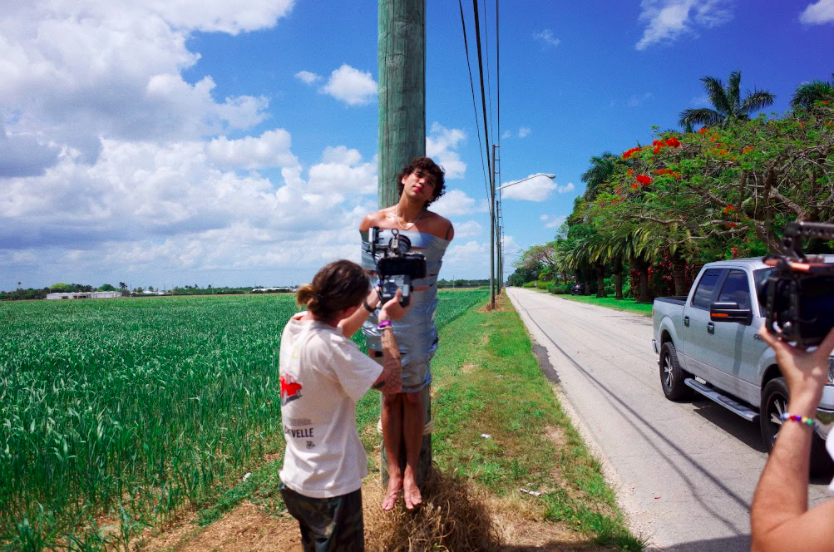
(416, 375)
(328, 524)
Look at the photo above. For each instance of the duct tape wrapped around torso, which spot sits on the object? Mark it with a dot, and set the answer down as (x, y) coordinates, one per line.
(416, 333)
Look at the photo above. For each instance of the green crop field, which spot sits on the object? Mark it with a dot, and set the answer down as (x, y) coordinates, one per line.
(123, 411)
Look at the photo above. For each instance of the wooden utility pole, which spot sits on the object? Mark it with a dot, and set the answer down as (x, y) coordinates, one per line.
(402, 133)
(402, 91)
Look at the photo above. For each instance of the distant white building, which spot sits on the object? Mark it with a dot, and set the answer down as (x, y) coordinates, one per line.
(84, 295)
(105, 294)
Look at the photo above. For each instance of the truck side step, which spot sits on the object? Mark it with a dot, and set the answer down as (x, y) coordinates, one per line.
(727, 402)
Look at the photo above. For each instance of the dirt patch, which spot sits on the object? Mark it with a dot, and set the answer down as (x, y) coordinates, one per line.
(520, 523)
(468, 368)
(455, 516)
(243, 529)
(556, 435)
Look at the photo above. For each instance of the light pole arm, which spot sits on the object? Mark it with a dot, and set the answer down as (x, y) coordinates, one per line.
(531, 177)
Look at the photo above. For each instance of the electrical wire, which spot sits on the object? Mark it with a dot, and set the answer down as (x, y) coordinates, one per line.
(474, 104)
(489, 72)
(483, 96)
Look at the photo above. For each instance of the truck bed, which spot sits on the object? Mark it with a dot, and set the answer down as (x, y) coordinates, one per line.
(675, 299)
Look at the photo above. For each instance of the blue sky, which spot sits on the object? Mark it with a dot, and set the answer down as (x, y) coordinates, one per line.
(235, 144)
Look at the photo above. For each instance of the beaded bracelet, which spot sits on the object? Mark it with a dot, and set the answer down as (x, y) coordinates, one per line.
(801, 419)
(384, 324)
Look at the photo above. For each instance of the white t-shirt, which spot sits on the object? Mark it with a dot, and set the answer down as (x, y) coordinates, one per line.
(323, 374)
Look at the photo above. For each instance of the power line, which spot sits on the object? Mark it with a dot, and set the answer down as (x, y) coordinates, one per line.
(483, 93)
(474, 104)
(489, 72)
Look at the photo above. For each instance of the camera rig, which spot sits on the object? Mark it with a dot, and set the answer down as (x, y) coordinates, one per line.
(395, 266)
(798, 297)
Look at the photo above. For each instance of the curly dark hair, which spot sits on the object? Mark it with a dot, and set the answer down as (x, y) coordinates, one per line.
(427, 166)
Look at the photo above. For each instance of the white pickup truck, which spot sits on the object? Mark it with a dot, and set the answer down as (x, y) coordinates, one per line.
(728, 362)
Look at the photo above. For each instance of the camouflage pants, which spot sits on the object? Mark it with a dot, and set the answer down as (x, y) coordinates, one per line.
(328, 524)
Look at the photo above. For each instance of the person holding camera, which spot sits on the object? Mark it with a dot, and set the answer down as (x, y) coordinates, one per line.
(779, 517)
(403, 416)
(322, 375)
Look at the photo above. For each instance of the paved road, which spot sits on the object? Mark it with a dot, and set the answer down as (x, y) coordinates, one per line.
(684, 472)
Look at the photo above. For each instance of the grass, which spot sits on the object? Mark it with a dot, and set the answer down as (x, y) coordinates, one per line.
(134, 409)
(627, 305)
(491, 384)
(487, 381)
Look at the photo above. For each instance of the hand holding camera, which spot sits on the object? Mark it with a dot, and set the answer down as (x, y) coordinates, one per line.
(798, 298)
(393, 308)
(395, 266)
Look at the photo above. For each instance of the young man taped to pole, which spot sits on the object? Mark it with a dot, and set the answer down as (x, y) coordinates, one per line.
(403, 415)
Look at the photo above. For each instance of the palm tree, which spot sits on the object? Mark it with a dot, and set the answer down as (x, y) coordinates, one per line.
(727, 103)
(808, 93)
(600, 172)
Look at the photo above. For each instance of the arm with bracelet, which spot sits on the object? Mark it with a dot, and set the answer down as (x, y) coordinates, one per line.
(390, 380)
(779, 516)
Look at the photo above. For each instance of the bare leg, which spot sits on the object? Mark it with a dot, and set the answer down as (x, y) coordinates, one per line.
(392, 435)
(413, 422)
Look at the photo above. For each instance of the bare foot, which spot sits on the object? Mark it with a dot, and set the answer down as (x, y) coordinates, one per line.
(411, 492)
(395, 483)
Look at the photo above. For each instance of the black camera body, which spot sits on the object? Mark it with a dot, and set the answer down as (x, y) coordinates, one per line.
(395, 266)
(798, 297)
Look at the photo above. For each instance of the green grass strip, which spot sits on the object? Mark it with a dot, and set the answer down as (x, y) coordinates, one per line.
(489, 382)
(627, 305)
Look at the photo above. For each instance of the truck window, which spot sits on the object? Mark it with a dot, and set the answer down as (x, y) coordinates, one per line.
(736, 289)
(703, 294)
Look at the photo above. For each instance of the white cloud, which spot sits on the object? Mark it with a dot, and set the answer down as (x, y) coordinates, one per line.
(172, 207)
(350, 85)
(667, 20)
(700, 101)
(308, 77)
(544, 218)
(468, 229)
(537, 188)
(546, 38)
(117, 70)
(569, 187)
(511, 249)
(636, 100)
(441, 144)
(469, 252)
(554, 222)
(220, 16)
(456, 203)
(818, 13)
(25, 154)
(342, 172)
(271, 149)
(522, 132)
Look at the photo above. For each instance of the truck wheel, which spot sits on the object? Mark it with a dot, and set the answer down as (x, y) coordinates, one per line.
(671, 374)
(774, 403)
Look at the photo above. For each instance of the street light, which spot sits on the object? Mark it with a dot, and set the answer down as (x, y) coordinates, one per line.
(498, 239)
(531, 177)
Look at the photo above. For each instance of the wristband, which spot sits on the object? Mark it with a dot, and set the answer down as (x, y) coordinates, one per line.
(801, 419)
(368, 308)
(384, 324)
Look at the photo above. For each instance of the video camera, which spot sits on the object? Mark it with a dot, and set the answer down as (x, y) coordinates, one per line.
(798, 297)
(395, 266)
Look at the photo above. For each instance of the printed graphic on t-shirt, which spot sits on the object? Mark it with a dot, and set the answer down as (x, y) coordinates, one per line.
(290, 389)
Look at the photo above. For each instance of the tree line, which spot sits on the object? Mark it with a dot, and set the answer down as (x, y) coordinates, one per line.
(724, 187)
